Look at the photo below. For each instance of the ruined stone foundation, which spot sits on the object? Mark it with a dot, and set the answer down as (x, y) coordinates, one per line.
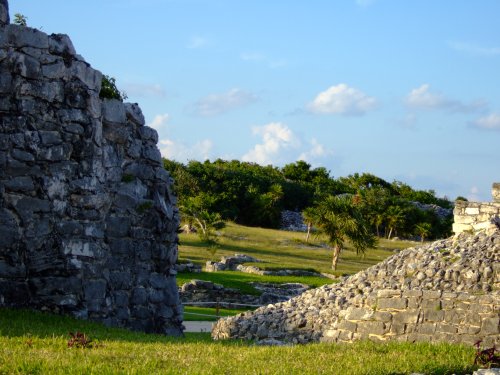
(88, 222)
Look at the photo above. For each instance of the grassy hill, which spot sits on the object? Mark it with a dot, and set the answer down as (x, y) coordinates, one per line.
(277, 249)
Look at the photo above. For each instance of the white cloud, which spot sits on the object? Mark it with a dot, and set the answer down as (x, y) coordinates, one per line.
(344, 100)
(197, 42)
(317, 151)
(142, 90)
(216, 104)
(474, 49)
(159, 121)
(423, 98)
(182, 152)
(276, 139)
(490, 122)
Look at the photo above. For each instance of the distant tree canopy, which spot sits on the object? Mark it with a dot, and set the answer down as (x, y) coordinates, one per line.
(255, 195)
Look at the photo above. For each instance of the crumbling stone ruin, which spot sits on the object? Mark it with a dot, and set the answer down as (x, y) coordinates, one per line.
(473, 216)
(88, 222)
(448, 290)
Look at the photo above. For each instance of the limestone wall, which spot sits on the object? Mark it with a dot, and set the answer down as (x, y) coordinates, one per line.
(447, 290)
(87, 217)
(420, 315)
(473, 216)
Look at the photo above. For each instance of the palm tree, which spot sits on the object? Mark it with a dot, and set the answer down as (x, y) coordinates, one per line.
(423, 230)
(340, 219)
(310, 216)
(395, 219)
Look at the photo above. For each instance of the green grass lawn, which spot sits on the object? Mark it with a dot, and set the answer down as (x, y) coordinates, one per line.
(284, 249)
(37, 343)
(208, 313)
(277, 250)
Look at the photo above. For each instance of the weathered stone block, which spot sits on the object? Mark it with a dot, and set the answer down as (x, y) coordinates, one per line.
(490, 326)
(347, 326)
(388, 293)
(139, 296)
(392, 303)
(113, 111)
(408, 316)
(4, 13)
(355, 314)
(61, 44)
(21, 183)
(495, 192)
(433, 315)
(446, 328)
(375, 328)
(94, 289)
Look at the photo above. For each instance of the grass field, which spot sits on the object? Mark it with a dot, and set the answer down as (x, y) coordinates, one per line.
(194, 313)
(37, 343)
(284, 249)
(277, 250)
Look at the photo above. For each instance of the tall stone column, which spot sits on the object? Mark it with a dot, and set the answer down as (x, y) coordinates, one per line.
(4, 12)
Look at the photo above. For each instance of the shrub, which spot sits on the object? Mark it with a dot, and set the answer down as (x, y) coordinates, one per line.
(109, 89)
(20, 19)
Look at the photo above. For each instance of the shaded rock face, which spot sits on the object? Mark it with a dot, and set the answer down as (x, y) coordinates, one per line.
(445, 291)
(4, 12)
(87, 217)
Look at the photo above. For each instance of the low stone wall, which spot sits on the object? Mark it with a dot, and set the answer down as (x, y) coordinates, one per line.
(420, 315)
(206, 291)
(474, 216)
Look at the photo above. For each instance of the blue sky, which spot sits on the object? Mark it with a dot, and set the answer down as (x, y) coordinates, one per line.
(406, 90)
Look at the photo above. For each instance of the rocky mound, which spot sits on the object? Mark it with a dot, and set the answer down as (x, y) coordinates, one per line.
(448, 290)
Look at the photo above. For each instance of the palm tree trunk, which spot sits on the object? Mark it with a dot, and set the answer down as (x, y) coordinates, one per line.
(390, 234)
(308, 231)
(335, 257)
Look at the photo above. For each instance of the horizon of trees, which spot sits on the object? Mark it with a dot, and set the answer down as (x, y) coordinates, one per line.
(255, 195)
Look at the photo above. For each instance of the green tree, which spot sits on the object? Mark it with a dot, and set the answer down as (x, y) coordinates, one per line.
(423, 230)
(196, 211)
(341, 219)
(309, 215)
(395, 219)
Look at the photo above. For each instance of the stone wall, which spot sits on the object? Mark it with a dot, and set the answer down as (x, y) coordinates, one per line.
(448, 290)
(87, 217)
(473, 216)
(419, 315)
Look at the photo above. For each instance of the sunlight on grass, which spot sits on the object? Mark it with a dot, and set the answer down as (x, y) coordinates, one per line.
(36, 343)
(284, 249)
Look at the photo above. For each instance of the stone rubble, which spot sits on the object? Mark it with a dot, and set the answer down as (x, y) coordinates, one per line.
(229, 263)
(88, 220)
(196, 291)
(448, 290)
(235, 263)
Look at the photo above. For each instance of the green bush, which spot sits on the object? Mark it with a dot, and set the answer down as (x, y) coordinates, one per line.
(109, 89)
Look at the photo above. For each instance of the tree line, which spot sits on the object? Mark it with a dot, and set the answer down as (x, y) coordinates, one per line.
(255, 195)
